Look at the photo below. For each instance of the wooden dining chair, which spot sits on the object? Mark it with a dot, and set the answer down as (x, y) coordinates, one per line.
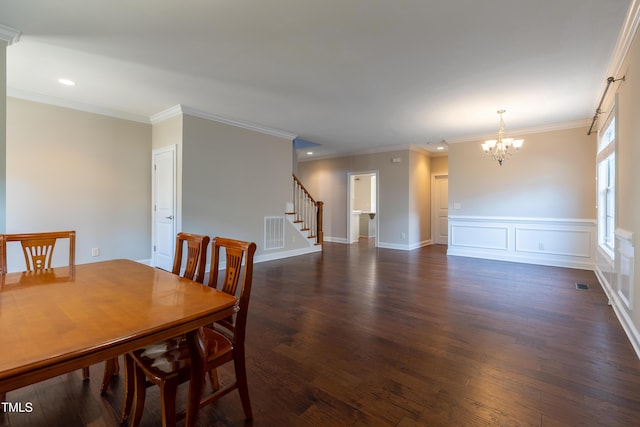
(37, 249)
(195, 246)
(167, 364)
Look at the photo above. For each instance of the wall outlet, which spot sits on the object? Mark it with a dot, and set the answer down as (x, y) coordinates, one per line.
(403, 236)
(95, 251)
(541, 246)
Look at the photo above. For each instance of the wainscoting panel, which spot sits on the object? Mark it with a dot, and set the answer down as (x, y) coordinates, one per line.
(554, 241)
(483, 236)
(625, 267)
(616, 278)
(546, 241)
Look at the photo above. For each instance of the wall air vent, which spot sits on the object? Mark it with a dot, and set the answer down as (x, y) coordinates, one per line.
(273, 232)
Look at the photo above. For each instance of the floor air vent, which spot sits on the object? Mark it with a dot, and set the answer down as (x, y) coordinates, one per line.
(582, 286)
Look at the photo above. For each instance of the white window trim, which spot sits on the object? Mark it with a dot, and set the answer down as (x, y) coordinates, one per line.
(606, 153)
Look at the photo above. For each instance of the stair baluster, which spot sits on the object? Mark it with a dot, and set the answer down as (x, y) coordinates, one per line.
(307, 211)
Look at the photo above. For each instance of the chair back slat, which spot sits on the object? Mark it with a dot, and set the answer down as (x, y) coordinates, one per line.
(37, 248)
(196, 255)
(238, 270)
(38, 253)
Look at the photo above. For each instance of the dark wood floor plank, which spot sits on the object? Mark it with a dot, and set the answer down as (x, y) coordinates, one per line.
(361, 336)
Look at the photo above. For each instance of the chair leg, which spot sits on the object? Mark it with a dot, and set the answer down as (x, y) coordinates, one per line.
(129, 392)
(168, 391)
(111, 368)
(213, 378)
(140, 389)
(243, 388)
(85, 373)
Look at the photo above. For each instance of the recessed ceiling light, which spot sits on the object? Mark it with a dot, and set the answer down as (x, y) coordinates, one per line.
(440, 148)
(66, 82)
(309, 153)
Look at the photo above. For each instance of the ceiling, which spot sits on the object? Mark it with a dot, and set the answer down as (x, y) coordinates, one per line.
(349, 75)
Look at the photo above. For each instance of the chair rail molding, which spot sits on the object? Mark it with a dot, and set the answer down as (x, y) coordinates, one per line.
(559, 242)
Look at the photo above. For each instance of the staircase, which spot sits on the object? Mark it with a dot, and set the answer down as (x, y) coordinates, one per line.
(306, 213)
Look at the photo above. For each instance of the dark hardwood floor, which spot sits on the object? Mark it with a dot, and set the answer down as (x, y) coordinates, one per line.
(359, 336)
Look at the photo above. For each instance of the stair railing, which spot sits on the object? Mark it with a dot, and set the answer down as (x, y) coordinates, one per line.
(307, 211)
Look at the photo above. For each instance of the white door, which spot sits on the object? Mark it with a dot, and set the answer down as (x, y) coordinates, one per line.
(441, 209)
(164, 207)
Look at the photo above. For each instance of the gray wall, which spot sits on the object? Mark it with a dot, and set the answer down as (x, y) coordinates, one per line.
(419, 198)
(232, 178)
(362, 194)
(552, 176)
(3, 135)
(403, 189)
(72, 170)
(169, 133)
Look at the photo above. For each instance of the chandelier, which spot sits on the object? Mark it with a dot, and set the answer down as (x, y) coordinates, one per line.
(502, 148)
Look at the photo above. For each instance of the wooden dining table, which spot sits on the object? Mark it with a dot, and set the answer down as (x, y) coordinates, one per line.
(67, 318)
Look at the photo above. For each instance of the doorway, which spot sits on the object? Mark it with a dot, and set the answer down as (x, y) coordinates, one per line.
(362, 209)
(440, 209)
(164, 207)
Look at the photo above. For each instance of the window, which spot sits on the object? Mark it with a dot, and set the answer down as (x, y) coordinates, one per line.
(606, 159)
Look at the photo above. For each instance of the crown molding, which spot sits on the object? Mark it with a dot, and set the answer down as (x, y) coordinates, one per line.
(174, 111)
(627, 33)
(376, 150)
(87, 108)
(474, 138)
(9, 35)
(525, 131)
(238, 123)
(182, 109)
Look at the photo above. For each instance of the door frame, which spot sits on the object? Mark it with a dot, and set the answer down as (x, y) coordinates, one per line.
(154, 153)
(434, 207)
(350, 189)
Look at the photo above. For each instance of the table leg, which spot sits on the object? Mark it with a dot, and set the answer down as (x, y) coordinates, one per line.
(198, 354)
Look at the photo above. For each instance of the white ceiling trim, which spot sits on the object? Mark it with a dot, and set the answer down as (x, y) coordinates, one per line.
(87, 108)
(525, 131)
(176, 110)
(378, 150)
(238, 123)
(182, 109)
(9, 35)
(627, 33)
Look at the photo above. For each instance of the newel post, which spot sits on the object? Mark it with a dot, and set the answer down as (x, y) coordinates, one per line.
(319, 223)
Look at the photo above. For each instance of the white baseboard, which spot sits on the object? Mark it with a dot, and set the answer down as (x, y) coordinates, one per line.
(385, 245)
(287, 254)
(404, 247)
(336, 240)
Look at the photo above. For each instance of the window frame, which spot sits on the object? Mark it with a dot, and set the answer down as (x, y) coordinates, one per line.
(606, 179)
